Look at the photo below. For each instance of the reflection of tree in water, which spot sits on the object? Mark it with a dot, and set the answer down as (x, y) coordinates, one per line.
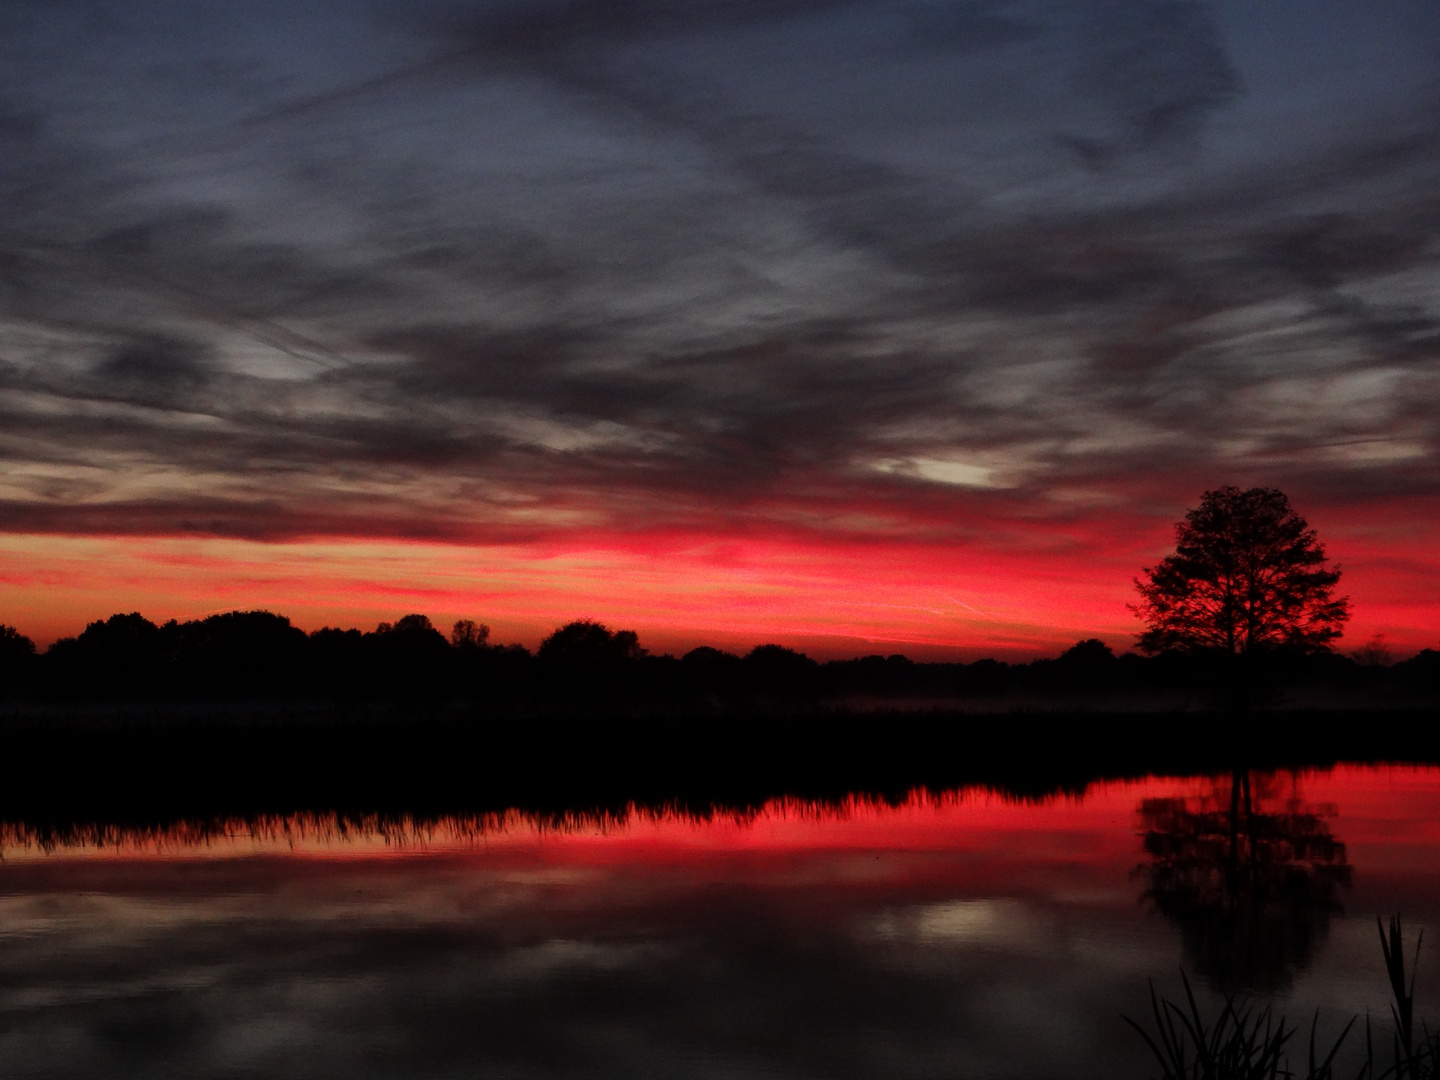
(1249, 875)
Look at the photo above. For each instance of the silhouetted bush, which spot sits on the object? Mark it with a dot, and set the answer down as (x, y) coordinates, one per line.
(711, 674)
(338, 668)
(238, 655)
(773, 671)
(587, 659)
(1419, 676)
(1087, 667)
(409, 661)
(485, 673)
(984, 677)
(880, 675)
(119, 658)
(468, 634)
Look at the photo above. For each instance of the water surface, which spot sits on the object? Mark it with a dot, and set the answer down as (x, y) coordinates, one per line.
(954, 936)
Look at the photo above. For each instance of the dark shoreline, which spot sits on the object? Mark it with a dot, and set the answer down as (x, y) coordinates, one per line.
(139, 772)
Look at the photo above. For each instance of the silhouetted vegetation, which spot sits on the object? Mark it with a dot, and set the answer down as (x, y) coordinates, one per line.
(243, 712)
(1243, 1043)
(256, 656)
(17, 661)
(1248, 575)
(147, 766)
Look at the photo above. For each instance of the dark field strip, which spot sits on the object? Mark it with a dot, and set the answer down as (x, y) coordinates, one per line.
(148, 772)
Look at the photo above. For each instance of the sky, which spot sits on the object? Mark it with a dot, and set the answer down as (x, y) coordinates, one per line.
(872, 326)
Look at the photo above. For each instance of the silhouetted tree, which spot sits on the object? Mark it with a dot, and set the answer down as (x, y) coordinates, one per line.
(484, 674)
(338, 663)
(119, 657)
(1420, 675)
(250, 654)
(773, 671)
(983, 677)
(17, 658)
(503, 673)
(412, 660)
(414, 625)
(587, 657)
(711, 674)
(1374, 653)
(875, 674)
(238, 654)
(1248, 574)
(1087, 667)
(468, 634)
(587, 641)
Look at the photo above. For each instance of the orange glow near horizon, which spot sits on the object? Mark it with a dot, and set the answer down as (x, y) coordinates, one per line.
(829, 598)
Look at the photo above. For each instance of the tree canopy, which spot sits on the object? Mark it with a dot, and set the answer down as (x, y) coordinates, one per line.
(1248, 572)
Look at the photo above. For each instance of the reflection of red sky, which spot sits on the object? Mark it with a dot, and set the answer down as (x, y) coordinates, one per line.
(969, 898)
(1018, 596)
(1388, 814)
(1388, 817)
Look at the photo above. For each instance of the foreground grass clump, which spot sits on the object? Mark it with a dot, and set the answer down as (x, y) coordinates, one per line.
(1243, 1043)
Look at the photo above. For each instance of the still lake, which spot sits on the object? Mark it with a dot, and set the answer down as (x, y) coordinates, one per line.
(960, 935)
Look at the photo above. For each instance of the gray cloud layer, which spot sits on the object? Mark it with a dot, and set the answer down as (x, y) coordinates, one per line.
(494, 269)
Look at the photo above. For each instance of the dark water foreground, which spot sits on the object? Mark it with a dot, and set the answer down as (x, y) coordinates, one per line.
(965, 935)
(190, 906)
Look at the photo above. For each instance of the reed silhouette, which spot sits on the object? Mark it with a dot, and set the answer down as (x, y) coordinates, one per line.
(1243, 1042)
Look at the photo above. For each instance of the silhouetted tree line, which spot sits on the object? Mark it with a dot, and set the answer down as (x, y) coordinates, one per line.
(257, 655)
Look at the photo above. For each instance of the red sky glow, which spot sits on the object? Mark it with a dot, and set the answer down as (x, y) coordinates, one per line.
(916, 337)
(829, 598)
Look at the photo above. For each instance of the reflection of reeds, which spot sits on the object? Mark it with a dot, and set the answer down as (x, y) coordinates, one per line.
(410, 830)
(280, 831)
(1243, 1044)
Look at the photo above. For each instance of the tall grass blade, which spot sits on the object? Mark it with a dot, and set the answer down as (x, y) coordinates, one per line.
(1243, 1044)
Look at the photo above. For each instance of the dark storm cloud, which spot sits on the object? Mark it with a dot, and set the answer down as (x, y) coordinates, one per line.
(474, 269)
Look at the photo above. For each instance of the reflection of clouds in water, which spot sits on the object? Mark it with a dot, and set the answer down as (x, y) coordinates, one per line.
(1025, 929)
(1007, 923)
(984, 955)
(429, 966)
(558, 957)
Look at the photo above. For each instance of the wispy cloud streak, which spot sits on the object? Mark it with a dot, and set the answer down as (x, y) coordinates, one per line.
(492, 271)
